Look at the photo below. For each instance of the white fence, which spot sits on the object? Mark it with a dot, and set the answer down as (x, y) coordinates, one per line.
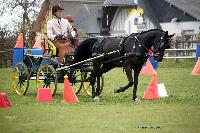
(181, 53)
(182, 50)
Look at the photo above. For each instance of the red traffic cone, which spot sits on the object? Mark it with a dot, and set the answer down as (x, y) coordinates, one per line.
(4, 101)
(20, 41)
(68, 94)
(148, 69)
(44, 95)
(38, 42)
(152, 89)
(196, 69)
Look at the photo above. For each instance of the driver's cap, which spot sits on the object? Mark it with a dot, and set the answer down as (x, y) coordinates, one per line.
(56, 8)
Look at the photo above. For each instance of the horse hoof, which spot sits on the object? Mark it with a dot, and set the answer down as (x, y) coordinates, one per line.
(116, 91)
(96, 99)
(137, 100)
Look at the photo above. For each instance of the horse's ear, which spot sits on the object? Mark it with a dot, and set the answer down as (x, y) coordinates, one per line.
(166, 33)
(170, 36)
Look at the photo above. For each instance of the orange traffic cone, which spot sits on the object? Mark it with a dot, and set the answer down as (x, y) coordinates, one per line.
(44, 95)
(196, 69)
(38, 42)
(152, 89)
(20, 41)
(148, 69)
(68, 94)
(4, 101)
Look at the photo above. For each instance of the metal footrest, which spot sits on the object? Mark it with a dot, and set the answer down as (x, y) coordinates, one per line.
(87, 69)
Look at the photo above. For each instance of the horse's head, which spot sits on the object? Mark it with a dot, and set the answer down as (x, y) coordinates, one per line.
(160, 46)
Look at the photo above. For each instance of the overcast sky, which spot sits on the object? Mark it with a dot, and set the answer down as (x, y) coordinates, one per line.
(10, 18)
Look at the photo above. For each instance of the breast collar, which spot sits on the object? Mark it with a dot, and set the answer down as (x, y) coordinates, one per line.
(136, 49)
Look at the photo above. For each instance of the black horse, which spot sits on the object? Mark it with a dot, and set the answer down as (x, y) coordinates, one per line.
(129, 52)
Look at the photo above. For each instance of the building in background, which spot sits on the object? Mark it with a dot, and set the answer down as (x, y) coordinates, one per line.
(176, 16)
(119, 17)
(86, 14)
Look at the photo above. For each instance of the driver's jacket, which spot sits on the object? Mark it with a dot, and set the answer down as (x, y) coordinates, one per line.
(57, 26)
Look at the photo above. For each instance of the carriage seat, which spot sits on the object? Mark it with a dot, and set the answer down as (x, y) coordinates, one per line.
(51, 48)
(53, 52)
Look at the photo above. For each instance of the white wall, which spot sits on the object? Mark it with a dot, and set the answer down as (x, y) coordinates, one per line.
(117, 27)
(178, 27)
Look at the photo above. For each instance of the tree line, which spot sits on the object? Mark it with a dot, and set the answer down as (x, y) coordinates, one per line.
(25, 13)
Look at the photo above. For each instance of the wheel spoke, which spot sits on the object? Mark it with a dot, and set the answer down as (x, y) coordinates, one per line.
(50, 78)
(20, 78)
(87, 85)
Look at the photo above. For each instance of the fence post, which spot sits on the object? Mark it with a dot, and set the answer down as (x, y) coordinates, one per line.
(197, 51)
(176, 46)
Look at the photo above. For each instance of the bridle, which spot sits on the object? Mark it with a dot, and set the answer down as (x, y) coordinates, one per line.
(155, 52)
(161, 45)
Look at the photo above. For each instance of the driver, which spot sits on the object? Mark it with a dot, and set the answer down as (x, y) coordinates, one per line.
(58, 29)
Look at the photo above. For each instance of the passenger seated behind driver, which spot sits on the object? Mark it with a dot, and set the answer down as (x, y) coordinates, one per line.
(74, 40)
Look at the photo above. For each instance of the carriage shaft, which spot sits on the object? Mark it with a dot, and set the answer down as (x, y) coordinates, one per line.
(87, 60)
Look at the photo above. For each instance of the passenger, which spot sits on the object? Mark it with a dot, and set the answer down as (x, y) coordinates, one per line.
(74, 40)
(58, 29)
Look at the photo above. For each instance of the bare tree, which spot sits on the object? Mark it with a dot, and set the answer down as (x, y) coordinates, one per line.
(7, 42)
(25, 10)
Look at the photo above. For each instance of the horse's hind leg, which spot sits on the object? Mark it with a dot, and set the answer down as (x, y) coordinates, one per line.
(128, 71)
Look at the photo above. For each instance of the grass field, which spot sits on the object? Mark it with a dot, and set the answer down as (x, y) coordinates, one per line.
(115, 113)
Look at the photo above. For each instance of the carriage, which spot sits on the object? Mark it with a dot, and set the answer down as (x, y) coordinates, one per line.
(48, 72)
(93, 58)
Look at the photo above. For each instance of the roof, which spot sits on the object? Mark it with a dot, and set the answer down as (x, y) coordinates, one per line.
(119, 2)
(191, 7)
(86, 18)
(86, 13)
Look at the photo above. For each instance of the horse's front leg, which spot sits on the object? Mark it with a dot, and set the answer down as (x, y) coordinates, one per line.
(94, 79)
(128, 71)
(92, 82)
(136, 74)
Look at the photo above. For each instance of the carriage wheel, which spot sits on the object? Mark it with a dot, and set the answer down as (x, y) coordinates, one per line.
(21, 78)
(85, 77)
(47, 78)
(77, 84)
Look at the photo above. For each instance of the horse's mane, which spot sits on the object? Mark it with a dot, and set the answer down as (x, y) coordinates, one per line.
(143, 32)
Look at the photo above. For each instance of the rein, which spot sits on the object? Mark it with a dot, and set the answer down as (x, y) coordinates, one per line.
(141, 42)
(152, 50)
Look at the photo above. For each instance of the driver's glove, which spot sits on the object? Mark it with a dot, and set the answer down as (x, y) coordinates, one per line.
(59, 36)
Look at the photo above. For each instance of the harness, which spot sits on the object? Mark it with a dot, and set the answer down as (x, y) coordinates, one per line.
(135, 51)
(136, 48)
(97, 48)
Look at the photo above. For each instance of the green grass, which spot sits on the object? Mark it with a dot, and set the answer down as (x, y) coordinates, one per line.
(115, 113)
